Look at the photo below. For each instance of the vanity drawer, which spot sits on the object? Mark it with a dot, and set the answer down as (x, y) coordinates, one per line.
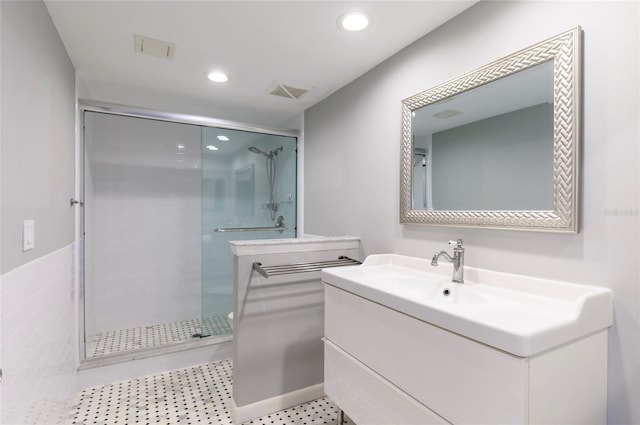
(367, 397)
(461, 380)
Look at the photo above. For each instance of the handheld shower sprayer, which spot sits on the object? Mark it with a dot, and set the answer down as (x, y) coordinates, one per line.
(261, 152)
(272, 206)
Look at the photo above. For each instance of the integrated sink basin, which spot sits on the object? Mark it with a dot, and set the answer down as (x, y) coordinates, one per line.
(438, 290)
(520, 315)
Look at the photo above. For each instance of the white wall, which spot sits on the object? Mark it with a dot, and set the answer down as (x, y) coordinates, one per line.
(37, 307)
(38, 115)
(499, 163)
(352, 145)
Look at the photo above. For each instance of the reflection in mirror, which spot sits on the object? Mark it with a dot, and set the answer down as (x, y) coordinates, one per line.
(493, 144)
(497, 147)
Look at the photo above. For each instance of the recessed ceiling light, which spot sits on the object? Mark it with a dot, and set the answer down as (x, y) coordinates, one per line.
(180, 146)
(218, 77)
(223, 138)
(354, 21)
(211, 148)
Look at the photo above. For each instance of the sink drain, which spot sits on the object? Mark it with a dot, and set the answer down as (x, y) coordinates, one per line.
(446, 292)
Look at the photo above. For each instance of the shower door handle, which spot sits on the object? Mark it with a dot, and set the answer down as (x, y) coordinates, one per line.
(248, 229)
(279, 227)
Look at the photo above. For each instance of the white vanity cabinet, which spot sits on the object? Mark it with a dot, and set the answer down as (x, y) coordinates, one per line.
(383, 366)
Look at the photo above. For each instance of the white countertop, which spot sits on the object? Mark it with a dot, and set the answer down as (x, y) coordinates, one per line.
(521, 315)
(305, 243)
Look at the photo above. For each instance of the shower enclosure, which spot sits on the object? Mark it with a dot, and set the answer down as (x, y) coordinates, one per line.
(161, 201)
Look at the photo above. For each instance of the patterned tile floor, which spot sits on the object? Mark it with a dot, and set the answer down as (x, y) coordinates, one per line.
(196, 395)
(116, 341)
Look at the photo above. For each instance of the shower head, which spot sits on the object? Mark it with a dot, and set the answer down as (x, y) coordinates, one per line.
(421, 151)
(256, 150)
(268, 155)
(420, 156)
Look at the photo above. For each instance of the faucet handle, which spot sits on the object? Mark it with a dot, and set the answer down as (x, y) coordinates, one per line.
(456, 243)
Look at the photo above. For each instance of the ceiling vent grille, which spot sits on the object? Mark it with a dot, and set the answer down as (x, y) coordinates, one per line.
(447, 114)
(153, 47)
(287, 90)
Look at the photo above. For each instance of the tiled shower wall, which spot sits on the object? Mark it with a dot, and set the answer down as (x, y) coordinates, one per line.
(38, 326)
(142, 222)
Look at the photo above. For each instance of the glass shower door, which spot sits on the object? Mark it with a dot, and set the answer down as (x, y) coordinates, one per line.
(142, 226)
(248, 192)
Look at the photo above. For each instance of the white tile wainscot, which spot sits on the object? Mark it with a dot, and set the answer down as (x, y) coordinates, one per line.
(38, 340)
(278, 353)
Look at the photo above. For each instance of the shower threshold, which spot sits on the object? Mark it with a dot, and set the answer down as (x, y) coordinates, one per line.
(117, 341)
(102, 370)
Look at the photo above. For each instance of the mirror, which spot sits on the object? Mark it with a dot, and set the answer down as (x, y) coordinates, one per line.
(497, 147)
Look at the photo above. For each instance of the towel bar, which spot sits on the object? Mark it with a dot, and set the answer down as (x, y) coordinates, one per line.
(313, 266)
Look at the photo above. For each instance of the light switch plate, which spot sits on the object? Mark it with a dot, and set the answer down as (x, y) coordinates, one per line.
(28, 235)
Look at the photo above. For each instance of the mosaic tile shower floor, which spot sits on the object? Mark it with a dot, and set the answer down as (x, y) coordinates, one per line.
(196, 395)
(119, 340)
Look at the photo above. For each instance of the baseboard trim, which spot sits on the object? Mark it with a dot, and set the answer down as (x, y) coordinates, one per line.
(241, 414)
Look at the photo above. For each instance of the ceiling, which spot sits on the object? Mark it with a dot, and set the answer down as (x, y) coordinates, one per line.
(258, 43)
(529, 87)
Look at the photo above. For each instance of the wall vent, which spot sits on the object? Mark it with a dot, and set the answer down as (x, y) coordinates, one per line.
(153, 47)
(287, 90)
(447, 114)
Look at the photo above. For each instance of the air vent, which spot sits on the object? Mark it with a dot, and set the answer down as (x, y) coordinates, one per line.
(153, 47)
(447, 114)
(287, 90)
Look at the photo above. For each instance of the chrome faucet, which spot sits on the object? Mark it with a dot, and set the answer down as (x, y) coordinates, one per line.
(457, 260)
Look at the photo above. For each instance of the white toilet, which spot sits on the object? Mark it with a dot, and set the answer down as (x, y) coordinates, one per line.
(230, 317)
